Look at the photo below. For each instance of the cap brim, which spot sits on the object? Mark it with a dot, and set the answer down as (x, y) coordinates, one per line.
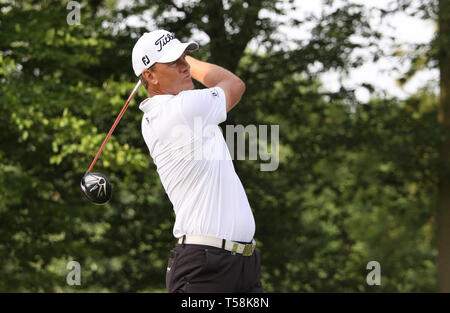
(177, 51)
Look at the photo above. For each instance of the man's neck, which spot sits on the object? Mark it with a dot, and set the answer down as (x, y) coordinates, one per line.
(153, 93)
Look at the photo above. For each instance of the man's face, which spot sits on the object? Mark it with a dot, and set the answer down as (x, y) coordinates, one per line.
(173, 77)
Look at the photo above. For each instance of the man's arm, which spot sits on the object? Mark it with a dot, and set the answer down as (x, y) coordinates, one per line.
(212, 75)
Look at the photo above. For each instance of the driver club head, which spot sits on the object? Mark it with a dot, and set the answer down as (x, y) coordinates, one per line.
(96, 187)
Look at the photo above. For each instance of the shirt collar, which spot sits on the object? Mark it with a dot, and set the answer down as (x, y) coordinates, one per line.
(148, 103)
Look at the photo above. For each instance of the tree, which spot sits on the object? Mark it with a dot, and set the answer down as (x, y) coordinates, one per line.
(355, 182)
(443, 214)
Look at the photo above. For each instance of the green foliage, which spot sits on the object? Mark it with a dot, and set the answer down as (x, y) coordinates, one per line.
(356, 182)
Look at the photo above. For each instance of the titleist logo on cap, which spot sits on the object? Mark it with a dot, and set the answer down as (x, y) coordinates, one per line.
(163, 40)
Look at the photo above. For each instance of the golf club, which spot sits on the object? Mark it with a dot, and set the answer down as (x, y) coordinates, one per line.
(96, 186)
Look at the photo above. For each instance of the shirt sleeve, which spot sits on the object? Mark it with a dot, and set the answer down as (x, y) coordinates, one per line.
(207, 104)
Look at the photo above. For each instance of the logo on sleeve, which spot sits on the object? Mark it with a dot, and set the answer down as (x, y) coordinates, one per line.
(214, 93)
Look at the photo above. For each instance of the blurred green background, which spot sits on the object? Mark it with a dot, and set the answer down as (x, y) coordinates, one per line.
(357, 182)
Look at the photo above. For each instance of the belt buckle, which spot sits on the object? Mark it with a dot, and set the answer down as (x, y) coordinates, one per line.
(248, 250)
(234, 249)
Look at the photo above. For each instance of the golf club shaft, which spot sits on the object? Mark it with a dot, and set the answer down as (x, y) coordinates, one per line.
(115, 123)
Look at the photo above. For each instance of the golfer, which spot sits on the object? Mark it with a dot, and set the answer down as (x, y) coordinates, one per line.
(214, 224)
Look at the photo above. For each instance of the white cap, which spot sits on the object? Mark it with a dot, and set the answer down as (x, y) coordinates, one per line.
(158, 46)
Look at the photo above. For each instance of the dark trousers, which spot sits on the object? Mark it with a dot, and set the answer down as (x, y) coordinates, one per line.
(199, 268)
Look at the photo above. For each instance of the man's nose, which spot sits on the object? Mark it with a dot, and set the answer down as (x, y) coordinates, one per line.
(184, 65)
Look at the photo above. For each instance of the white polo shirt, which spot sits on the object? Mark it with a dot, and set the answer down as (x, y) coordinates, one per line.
(195, 166)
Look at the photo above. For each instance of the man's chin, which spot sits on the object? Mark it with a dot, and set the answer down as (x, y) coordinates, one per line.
(189, 86)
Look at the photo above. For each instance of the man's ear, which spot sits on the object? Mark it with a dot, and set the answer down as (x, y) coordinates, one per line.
(150, 76)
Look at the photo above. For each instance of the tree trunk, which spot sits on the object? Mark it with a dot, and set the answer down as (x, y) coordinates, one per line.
(443, 213)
